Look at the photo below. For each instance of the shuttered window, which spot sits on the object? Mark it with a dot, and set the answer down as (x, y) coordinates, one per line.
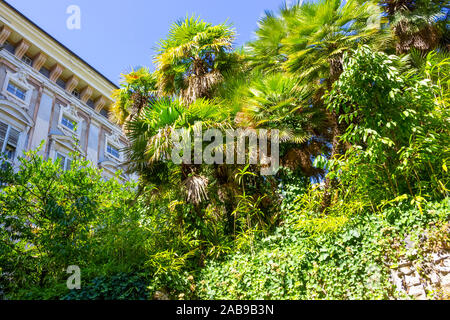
(3, 132)
(64, 161)
(9, 139)
(45, 72)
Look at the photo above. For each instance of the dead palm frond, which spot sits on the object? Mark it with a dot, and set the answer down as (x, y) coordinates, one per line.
(418, 25)
(196, 189)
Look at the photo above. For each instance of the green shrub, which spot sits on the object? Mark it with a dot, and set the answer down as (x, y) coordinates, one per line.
(295, 263)
(122, 286)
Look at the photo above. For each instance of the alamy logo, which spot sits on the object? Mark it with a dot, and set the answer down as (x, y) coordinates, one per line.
(74, 20)
(74, 281)
(233, 149)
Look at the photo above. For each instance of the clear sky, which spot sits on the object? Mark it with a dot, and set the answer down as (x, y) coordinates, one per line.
(116, 35)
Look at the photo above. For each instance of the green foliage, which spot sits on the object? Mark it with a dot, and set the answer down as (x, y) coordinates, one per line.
(321, 32)
(138, 88)
(53, 218)
(295, 263)
(274, 102)
(399, 134)
(193, 57)
(364, 164)
(122, 286)
(266, 52)
(417, 24)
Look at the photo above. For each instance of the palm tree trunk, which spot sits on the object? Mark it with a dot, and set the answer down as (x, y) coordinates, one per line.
(336, 69)
(330, 184)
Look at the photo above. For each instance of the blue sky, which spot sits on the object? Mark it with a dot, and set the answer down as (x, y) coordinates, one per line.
(116, 35)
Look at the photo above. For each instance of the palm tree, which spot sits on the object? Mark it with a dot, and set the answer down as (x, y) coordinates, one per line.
(321, 32)
(419, 25)
(151, 143)
(138, 89)
(193, 57)
(276, 101)
(266, 53)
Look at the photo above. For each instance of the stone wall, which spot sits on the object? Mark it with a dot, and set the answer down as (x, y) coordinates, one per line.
(421, 279)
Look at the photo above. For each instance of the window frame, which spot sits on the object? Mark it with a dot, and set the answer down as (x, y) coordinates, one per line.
(6, 142)
(69, 120)
(115, 148)
(17, 88)
(69, 112)
(67, 160)
(19, 81)
(76, 94)
(113, 141)
(10, 47)
(27, 60)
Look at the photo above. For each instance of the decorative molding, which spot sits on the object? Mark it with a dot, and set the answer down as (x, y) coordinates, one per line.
(8, 63)
(115, 138)
(48, 91)
(53, 90)
(17, 113)
(86, 94)
(67, 143)
(56, 72)
(72, 84)
(21, 48)
(4, 34)
(19, 79)
(110, 168)
(21, 76)
(58, 52)
(99, 104)
(71, 111)
(39, 61)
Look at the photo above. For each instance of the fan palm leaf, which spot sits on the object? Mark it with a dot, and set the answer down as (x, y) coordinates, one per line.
(137, 89)
(192, 58)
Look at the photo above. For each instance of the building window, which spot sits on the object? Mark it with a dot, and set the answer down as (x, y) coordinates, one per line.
(16, 87)
(68, 123)
(45, 72)
(105, 113)
(60, 82)
(76, 94)
(27, 60)
(17, 91)
(9, 138)
(64, 161)
(91, 103)
(10, 47)
(113, 151)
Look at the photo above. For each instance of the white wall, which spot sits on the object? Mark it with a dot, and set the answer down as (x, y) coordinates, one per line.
(42, 122)
(92, 149)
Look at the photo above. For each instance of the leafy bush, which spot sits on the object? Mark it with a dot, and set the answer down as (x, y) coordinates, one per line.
(364, 139)
(295, 263)
(397, 129)
(52, 219)
(122, 286)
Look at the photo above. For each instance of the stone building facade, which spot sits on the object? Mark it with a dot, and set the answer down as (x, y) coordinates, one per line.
(48, 93)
